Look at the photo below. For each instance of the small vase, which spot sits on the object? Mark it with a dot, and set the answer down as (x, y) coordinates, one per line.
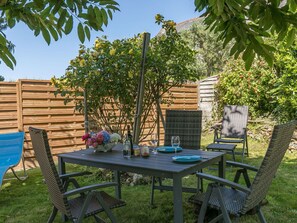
(104, 148)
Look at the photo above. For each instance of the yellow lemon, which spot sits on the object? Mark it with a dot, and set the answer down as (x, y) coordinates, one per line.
(82, 63)
(112, 52)
(97, 45)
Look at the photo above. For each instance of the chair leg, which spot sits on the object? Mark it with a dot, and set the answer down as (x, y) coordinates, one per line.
(233, 155)
(160, 183)
(84, 207)
(245, 175)
(98, 219)
(105, 207)
(243, 151)
(152, 191)
(200, 183)
(20, 178)
(247, 147)
(203, 208)
(260, 215)
(222, 205)
(53, 215)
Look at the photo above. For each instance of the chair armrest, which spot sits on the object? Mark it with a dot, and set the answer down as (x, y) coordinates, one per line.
(242, 165)
(75, 174)
(224, 182)
(88, 188)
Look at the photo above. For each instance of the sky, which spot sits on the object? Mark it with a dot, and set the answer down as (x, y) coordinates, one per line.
(37, 60)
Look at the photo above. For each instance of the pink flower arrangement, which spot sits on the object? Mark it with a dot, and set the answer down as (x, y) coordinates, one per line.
(95, 139)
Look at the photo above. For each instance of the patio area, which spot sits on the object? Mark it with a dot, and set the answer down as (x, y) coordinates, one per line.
(29, 202)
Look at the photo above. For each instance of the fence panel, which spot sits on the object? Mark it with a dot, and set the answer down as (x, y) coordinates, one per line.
(32, 103)
(41, 109)
(8, 107)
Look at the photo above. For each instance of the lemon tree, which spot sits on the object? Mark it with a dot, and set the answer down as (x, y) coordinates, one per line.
(109, 72)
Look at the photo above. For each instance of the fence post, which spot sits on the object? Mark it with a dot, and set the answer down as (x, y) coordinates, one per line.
(19, 105)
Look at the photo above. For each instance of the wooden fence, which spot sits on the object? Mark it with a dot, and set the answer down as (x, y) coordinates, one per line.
(32, 103)
(207, 96)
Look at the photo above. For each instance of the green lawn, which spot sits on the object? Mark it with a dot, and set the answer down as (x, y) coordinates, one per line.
(28, 201)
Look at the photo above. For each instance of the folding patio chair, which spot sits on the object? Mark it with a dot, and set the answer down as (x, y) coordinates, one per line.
(188, 126)
(233, 128)
(11, 153)
(231, 198)
(75, 204)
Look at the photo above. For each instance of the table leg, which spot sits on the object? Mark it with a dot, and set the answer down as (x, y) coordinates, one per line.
(222, 166)
(117, 179)
(61, 166)
(177, 199)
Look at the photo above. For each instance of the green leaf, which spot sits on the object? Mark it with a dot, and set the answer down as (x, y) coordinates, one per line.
(69, 25)
(291, 37)
(249, 60)
(57, 7)
(11, 22)
(263, 50)
(39, 3)
(62, 19)
(220, 6)
(293, 5)
(98, 15)
(3, 40)
(87, 32)
(84, 16)
(53, 33)
(113, 7)
(247, 52)
(91, 12)
(233, 49)
(109, 13)
(108, 2)
(37, 32)
(281, 35)
(46, 35)
(44, 14)
(81, 33)
(5, 58)
(233, 5)
(7, 52)
(70, 4)
(104, 17)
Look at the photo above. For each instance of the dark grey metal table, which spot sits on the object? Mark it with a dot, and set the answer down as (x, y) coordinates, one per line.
(160, 165)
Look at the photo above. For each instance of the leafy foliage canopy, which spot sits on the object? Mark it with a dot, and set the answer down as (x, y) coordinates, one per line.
(249, 23)
(53, 19)
(267, 91)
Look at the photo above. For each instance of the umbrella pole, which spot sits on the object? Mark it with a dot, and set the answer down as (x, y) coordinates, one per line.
(140, 90)
(86, 121)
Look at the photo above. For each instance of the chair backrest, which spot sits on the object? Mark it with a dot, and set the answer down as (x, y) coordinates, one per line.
(185, 124)
(44, 157)
(277, 148)
(234, 121)
(11, 150)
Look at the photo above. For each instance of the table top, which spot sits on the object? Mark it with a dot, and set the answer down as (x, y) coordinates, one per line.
(160, 164)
